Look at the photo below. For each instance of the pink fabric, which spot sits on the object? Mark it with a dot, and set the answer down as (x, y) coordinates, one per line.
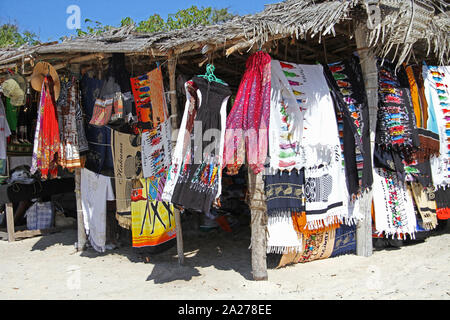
(248, 121)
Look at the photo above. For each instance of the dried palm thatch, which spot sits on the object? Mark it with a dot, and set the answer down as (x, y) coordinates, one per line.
(403, 27)
(404, 24)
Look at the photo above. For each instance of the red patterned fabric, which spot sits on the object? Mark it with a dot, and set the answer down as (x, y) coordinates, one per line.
(248, 121)
(48, 140)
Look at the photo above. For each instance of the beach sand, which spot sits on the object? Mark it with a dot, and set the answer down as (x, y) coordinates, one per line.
(217, 266)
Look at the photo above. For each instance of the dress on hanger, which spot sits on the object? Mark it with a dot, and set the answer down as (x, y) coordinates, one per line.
(199, 180)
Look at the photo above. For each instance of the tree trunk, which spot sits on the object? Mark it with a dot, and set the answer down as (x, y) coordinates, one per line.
(81, 243)
(370, 75)
(172, 63)
(257, 203)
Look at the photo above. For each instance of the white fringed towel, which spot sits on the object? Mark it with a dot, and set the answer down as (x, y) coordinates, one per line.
(282, 237)
(394, 208)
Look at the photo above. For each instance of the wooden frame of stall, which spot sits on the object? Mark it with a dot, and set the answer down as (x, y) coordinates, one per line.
(302, 31)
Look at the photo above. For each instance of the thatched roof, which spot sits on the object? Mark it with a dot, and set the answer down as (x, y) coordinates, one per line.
(422, 25)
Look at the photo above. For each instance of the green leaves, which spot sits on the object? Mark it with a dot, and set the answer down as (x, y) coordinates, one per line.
(183, 18)
(193, 16)
(10, 36)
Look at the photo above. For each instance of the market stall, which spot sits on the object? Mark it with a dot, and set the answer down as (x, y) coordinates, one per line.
(325, 105)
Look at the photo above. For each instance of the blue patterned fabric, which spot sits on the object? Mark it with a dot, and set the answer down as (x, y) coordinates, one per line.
(284, 192)
(345, 241)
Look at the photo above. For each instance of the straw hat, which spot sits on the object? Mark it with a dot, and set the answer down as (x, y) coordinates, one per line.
(42, 69)
(12, 90)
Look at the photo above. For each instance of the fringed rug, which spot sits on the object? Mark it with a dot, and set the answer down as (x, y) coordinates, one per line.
(315, 247)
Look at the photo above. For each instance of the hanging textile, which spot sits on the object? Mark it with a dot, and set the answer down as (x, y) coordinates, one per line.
(248, 121)
(4, 133)
(148, 92)
(153, 222)
(352, 112)
(426, 205)
(300, 101)
(394, 210)
(284, 195)
(126, 152)
(156, 150)
(284, 192)
(345, 241)
(47, 140)
(420, 169)
(325, 196)
(281, 235)
(442, 196)
(314, 247)
(318, 246)
(300, 106)
(185, 136)
(436, 82)
(99, 156)
(96, 190)
(67, 107)
(415, 99)
(12, 112)
(396, 120)
(102, 112)
(199, 181)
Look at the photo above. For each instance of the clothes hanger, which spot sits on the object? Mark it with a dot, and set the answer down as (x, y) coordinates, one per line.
(210, 76)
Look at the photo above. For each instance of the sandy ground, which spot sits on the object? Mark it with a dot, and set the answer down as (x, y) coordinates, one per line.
(218, 266)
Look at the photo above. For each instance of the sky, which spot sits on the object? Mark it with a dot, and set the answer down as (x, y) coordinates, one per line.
(48, 18)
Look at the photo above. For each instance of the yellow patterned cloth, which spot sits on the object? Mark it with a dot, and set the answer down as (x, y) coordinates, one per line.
(152, 222)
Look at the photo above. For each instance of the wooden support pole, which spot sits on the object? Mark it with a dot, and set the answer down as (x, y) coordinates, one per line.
(172, 63)
(257, 203)
(81, 243)
(370, 75)
(10, 222)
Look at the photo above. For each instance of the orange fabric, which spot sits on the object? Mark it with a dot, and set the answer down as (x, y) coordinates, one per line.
(148, 92)
(414, 95)
(299, 221)
(423, 101)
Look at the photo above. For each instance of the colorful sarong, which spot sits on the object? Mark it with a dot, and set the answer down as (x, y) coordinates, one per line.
(153, 222)
(148, 92)
(68, 126)
(248, 121)
(437, 82)
(47, 140)
(156, 150)
(396, 120)
(348, 92)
